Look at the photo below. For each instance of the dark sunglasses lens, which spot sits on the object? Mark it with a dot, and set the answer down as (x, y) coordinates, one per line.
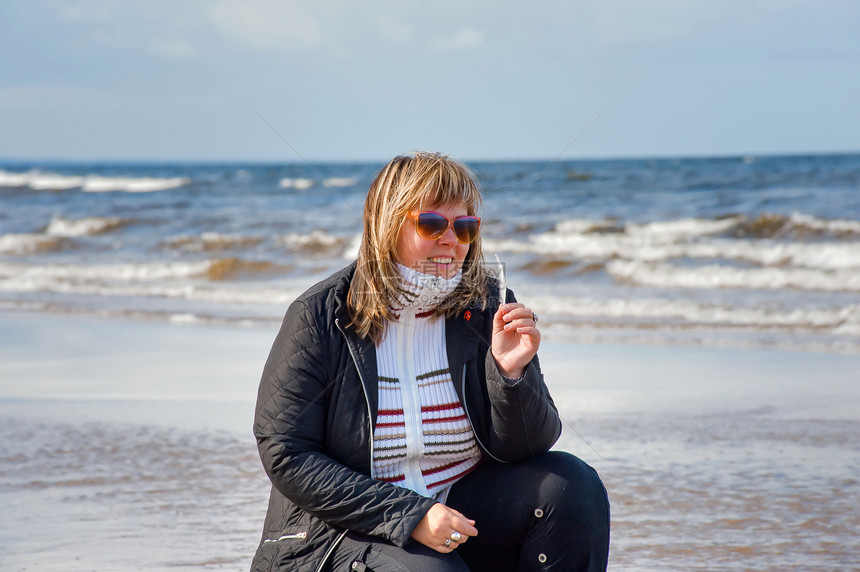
(466, 229)
(431, 225)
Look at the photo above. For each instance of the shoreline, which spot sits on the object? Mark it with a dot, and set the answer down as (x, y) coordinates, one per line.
(60, 356)
(125, 439)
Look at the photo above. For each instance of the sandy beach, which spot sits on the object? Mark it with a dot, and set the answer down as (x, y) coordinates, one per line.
(127, 446)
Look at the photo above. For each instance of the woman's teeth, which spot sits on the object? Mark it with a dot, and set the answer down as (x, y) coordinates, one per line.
(441, 260)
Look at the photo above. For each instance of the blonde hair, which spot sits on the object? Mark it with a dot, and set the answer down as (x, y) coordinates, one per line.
(404, 184)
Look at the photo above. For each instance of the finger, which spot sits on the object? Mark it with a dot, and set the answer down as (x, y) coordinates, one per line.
(463, 537)
(507, 307)
(499, 317)
(518, 313)
(465, 527)
(530, 335)
(515, 325)
(499, 320)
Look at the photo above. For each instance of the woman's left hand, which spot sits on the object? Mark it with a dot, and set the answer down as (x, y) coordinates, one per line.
(515, 338)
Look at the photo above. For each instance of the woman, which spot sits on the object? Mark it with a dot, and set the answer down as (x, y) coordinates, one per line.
(402, 416)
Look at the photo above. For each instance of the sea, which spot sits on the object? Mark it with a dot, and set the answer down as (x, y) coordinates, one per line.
(713, 305)
(745, 251)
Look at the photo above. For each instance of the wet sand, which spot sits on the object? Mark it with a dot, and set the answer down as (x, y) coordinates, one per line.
(127, 446)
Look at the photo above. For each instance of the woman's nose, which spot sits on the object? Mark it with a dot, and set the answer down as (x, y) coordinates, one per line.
(448, 237)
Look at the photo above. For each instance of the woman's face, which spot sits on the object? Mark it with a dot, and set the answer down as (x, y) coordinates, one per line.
(441, 257)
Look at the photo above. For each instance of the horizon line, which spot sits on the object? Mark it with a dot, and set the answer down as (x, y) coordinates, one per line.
(644, 157)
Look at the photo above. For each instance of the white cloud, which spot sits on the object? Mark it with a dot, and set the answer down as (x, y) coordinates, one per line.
(268, 24)
(465, 39)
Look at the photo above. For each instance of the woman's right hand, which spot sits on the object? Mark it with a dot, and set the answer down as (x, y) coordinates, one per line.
(439, 524)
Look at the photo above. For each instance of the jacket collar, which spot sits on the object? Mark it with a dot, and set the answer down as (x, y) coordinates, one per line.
(463, 333)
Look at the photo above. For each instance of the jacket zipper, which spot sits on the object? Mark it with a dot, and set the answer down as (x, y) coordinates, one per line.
(363, 389)
(469, 417)
(411, 404)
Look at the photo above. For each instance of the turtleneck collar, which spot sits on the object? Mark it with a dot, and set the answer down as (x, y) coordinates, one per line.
(422, 292)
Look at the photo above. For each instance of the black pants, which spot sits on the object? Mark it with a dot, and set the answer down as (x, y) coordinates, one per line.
(549, 513)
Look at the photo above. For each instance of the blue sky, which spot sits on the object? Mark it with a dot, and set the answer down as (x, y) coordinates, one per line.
(186, 80)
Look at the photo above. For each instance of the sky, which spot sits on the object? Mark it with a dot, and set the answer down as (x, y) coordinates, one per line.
(267, 80)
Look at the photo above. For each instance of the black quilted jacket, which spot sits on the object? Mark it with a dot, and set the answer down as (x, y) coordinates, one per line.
(316, 410)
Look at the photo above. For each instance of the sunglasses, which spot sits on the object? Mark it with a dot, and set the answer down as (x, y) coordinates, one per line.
(431, 226)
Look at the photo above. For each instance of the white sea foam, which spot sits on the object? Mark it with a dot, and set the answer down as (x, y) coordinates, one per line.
(583, 226)
(716, 276)
(688, 227)
(60, 226)
(39, 181)
(576, 240)
(104, 272)
(49, 182)
(340, 182)
(8, 179)
(28, 243)
(212, 241)
(96, 184)
(316, 240)
(835, 226)
(61, 283)
(351, 251)
(660, 311)
(296, 183)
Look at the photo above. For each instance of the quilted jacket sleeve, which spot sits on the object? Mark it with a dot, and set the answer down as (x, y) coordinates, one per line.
(290, 426)
(523, 418)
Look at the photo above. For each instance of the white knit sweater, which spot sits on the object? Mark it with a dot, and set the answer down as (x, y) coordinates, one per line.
(423, 440)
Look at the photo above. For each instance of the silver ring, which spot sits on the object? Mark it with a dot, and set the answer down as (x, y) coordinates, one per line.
(447, 542)
(455, 536)
(535, 317)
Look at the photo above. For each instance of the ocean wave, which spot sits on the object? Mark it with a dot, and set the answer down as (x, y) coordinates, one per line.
(60, 226)
(39, 181)
(232, 268)
(104, 272)
(21, 275)
(296, 183)
(584, 226)
(766, 225)
(832, 226)
(96, 184)
(656, 242)
(211, 241)
(656, 311)
(716, 276)
(682, 228)
(224, 292)
(30, 243)
(316, 241)
(8, 179)
(340, 182)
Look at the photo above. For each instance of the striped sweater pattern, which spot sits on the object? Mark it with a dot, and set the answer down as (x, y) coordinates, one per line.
(423, 440)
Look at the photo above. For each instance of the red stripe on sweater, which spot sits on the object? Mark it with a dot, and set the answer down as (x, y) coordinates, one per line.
(454, 478)
(444, 419)
(442, 468)
(390, 412)
(442, 407)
